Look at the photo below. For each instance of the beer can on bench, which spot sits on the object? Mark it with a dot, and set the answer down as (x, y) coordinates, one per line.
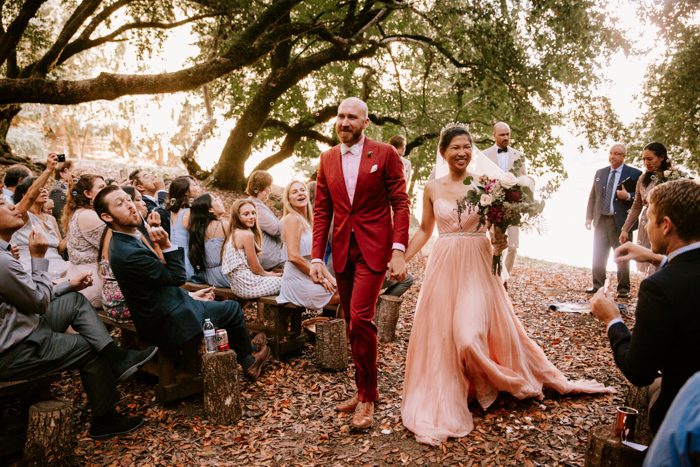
(221, 340)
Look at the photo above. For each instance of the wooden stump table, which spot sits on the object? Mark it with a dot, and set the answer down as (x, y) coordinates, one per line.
(331, 345)
(49, 434)
(606, 449)
(222, 394)
(387, 316)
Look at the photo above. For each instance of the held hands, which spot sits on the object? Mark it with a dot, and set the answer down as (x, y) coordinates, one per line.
(328, 282)
(397, 265)
(37, 244)
(603, 307)
(203, 295)
(160, 237)
(499, 240)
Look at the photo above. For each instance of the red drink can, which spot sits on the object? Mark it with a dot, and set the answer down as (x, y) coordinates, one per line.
(221, 340)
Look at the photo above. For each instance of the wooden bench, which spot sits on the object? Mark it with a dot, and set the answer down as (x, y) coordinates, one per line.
(178, 370)
(13, 424)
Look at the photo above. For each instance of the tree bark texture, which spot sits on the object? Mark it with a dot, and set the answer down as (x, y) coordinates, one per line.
(331, 345)
(387, 316)
(638, 398)
(605, 450)
(49, 434)
(222, 396)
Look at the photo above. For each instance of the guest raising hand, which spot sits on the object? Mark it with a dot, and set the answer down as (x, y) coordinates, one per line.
(241, 257)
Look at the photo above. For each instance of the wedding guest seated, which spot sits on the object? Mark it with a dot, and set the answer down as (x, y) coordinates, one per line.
(113, 301)
(13, 177)
(151, 187)
(59, 192)
(297, 286)
(35, 315)
(207, 232)
(241, 262)
(666, 335)
(678, 440)
(163, 312)
(84, 232)
(258, 191)
(180, 194)
(37, 220)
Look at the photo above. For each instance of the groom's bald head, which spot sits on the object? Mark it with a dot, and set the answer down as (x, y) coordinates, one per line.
(357, 103)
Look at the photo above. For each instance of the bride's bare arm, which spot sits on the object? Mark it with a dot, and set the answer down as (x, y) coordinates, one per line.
(427, 224)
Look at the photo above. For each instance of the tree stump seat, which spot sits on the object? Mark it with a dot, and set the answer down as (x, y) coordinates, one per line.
(50, 434)
(15, 399)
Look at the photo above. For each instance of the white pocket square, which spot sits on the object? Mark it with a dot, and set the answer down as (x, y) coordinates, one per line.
(373, 169)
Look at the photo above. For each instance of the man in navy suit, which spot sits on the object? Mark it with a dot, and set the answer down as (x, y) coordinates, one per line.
(607, 211)
(162, 311)
(666, 338)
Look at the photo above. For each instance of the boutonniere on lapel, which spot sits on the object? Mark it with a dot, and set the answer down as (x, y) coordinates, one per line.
(369, 153)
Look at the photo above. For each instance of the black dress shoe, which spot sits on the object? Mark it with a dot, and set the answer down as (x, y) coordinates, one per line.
(623, 295)
(592, 290)
(112, 425)
(133, 361)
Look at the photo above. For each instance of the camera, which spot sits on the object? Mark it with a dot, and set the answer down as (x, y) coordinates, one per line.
(61, 157)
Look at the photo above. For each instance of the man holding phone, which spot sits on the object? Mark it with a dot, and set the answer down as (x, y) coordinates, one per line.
(607, 209)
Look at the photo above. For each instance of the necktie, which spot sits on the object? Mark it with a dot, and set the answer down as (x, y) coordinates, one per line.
(500, 150)
(608, 194)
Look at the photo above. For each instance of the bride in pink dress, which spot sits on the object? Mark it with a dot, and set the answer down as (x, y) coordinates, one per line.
(466, 343)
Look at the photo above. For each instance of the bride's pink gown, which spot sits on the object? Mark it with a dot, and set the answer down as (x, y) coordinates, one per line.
(466, 342)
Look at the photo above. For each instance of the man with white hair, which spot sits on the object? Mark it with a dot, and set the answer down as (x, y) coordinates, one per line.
(509, 160)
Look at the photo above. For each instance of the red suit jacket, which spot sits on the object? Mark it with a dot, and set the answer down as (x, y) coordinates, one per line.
(377, 193)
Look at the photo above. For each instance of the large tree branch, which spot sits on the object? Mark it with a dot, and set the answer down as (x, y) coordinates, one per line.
(249, 47)
(10, 39)
(80, 44)
(427, 41)
(101, 17)
(79, 16)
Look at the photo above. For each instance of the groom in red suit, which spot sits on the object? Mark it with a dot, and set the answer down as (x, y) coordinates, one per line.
(360, 182)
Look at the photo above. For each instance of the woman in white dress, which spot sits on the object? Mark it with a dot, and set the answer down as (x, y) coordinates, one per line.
(297, 286)
(241, 260)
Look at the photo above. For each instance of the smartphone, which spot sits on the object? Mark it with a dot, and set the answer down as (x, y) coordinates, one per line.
(61, 157)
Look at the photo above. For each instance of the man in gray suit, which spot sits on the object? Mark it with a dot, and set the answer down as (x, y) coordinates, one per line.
(607, 210)
(509, 160)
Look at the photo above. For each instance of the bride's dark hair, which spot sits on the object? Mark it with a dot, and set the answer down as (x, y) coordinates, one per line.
(451, 132)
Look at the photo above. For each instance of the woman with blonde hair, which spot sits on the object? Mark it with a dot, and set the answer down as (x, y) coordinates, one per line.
(84, 230)
(240, 262)
(297, 286)
(258, 191)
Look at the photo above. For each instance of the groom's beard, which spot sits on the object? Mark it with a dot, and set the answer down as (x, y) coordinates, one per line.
(355, 134)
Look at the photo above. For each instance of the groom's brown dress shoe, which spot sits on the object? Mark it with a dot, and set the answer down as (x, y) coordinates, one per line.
(253, 371)
(348, 405)
(364, 416)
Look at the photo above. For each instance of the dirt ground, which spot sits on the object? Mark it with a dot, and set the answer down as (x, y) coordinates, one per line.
(289, 417)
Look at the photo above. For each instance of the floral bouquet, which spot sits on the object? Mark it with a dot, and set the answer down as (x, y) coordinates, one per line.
(669, 175)
(501, 203)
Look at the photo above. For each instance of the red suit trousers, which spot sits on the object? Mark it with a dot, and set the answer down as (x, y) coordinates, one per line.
(359, 287)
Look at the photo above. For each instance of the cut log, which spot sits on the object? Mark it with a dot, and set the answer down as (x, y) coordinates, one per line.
(638, 398)
(50, 434)
(331, 345)
(222, 396)
(605, 450)
(387, 316)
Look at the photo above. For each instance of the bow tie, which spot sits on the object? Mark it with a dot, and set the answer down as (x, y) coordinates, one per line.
(500, 150)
